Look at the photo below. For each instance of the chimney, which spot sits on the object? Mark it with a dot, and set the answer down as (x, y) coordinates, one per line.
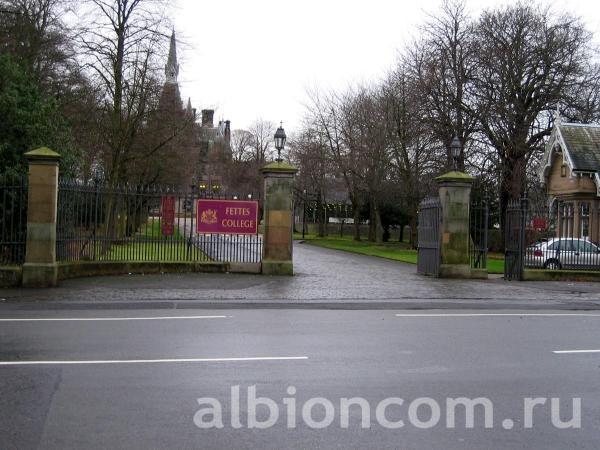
(227, 132)
(207, 118)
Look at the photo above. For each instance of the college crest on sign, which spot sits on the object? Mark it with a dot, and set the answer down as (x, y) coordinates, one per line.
(226, 216)
(209, 217)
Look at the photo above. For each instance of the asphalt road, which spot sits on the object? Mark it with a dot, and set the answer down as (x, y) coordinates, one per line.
(73, 384)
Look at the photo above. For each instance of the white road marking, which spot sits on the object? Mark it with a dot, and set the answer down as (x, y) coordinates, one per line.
(500, 315)
(562, 352)
(107, 319)
(153, 361)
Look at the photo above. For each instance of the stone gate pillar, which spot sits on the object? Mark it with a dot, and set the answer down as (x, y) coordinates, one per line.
(278, 219)
(455, 198)
(40, 269)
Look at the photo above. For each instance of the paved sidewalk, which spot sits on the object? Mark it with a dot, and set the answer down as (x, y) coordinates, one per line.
(324, 278)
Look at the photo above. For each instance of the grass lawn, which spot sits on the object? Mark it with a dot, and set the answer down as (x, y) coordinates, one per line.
(152, 230)
(389, 250)
(495, 265)
(151, 246)
(154, 252)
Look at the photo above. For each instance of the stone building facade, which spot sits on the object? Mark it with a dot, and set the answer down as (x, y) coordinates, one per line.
(202, 149)
(570, 171)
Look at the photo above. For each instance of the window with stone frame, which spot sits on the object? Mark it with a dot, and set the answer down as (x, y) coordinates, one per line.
(567, 220)
(584, 220)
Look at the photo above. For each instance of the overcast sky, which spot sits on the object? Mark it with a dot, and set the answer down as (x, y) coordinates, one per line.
(256, 58)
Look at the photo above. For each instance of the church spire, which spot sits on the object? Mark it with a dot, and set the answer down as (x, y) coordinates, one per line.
(172, 68)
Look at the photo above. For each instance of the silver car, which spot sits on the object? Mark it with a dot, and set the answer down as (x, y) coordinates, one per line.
(563, 253)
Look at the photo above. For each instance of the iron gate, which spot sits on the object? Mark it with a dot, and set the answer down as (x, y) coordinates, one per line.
(478, 233)
(429, 257)
(514, 239)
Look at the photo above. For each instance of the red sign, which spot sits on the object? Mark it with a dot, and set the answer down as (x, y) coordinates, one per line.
(539, 223)
(227, 217)
(167, 214)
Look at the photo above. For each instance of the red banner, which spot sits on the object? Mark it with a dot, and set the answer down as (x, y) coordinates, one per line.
(227, 217)
(167, 214)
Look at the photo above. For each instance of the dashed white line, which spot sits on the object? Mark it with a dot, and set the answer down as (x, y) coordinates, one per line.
(107, 319)
(562, 352)
(501, 315)
(152, 361)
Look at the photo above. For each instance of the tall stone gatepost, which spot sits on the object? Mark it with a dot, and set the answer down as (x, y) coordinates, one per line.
(40, 269)
(455, 198)
(278, 219)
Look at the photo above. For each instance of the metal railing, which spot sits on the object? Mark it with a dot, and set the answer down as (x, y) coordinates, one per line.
(13, 219)
(429, 253)
(478, 231)
(564, 236)
(142, 223)
(514, 239)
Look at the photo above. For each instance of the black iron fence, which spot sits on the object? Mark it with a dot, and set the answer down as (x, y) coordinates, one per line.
(13, 219)
(562, 236)
(142, 223)
(514, 239)
(429, 256)
(478, 231)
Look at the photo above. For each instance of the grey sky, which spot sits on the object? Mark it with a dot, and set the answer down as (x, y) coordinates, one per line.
(256, 58)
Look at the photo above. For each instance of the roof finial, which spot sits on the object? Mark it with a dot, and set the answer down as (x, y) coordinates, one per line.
(557, 119)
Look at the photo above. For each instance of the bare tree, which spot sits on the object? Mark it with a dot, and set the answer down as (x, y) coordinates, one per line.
(527, 63)
(242, 145)
(414, 158)
(120, 40)
(443, 65)
(329, 114)
(309, 151)
(363, 131)
(262, 132)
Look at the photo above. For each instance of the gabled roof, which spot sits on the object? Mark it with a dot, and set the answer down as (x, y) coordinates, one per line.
(579, 145)
(583, 145)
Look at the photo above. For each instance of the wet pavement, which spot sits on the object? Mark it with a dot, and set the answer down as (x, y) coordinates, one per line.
(324, 278)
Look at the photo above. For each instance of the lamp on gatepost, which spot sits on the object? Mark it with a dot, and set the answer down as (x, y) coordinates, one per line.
(455, 147)
(280, 138)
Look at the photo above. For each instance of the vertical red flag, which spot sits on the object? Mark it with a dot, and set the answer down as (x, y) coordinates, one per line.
(167, 213)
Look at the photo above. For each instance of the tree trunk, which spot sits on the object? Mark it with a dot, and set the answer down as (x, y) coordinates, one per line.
(378, 225)
(512, 187)
(372, 233)
(320, 219)
(413, 232)
(375, 226)
(356, 217)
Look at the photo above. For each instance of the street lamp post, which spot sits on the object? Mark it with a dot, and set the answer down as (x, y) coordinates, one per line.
(455, 147)
(280, 139)
(304, 214)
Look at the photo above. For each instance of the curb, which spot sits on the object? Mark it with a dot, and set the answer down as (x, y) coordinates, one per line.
(358, 305)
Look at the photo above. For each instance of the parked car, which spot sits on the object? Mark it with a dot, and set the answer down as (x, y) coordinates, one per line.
(563, 253)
